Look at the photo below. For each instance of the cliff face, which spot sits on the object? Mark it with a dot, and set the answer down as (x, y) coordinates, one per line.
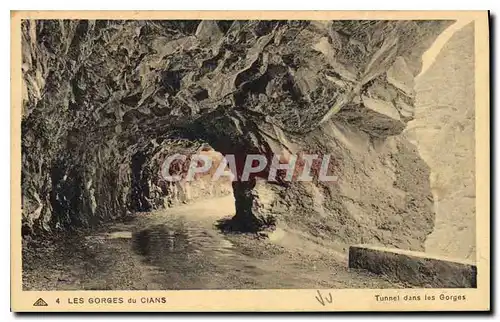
(103, 101)
(444, 131)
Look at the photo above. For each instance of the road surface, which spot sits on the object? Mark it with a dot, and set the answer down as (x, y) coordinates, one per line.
(179, 248)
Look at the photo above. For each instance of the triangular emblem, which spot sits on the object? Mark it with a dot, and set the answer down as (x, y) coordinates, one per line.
(40, 302)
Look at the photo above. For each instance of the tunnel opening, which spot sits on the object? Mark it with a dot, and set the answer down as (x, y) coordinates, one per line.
(197, 177)
(175, 172)
(179, 172)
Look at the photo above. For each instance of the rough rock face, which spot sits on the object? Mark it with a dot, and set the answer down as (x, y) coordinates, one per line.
(443, 130)
(103, 101)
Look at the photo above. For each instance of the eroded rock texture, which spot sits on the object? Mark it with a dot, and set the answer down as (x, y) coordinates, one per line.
(444, 132)
(103, 101)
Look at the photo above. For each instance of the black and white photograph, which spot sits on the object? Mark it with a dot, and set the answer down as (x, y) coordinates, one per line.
(179, 154)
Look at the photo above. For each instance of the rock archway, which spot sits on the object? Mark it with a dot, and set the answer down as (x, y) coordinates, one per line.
(102, 98)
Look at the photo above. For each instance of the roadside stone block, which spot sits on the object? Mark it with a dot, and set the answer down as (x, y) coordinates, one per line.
(416, 268)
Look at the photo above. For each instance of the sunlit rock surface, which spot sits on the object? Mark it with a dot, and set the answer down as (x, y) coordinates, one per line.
(443, 130)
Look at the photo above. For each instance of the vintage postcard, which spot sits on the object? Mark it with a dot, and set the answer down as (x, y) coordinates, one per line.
(250, 161)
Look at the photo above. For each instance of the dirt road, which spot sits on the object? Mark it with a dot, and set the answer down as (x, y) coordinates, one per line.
(179, 248)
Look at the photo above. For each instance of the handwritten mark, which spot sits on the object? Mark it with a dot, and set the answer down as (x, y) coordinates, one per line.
(320, 299)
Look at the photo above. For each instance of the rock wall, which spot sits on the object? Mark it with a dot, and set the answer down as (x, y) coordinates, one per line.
(382, 195)
(443, 130)
(104, 100)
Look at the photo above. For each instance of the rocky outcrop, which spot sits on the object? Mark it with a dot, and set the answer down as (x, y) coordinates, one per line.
(104, 100)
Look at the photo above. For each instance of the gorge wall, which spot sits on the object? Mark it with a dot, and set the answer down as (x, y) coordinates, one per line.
(443, 130)
(105, 101)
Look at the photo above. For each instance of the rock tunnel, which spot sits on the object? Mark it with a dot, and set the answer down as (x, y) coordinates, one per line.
(104, 101)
